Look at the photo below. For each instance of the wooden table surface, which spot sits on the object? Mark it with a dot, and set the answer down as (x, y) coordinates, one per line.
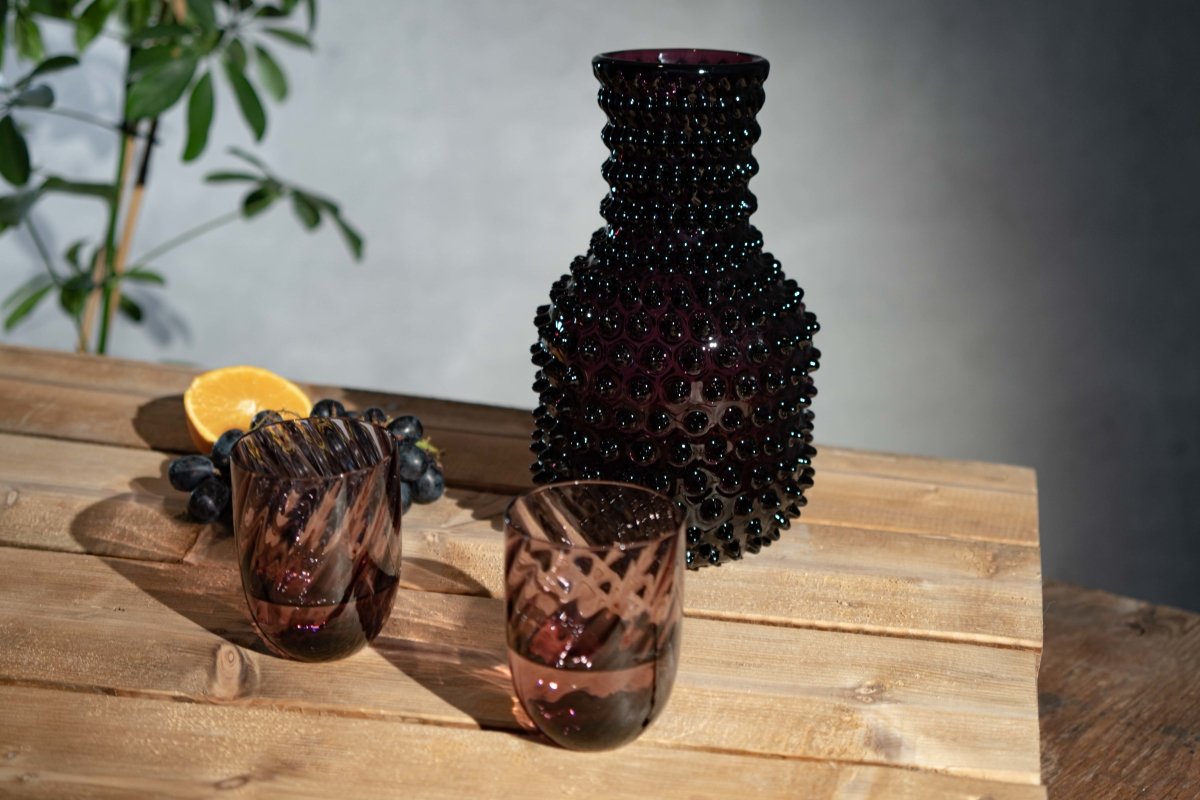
(888, 647)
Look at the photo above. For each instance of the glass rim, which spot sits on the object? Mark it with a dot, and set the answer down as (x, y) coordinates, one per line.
(324, 477)
(676, 512)
(660, 59)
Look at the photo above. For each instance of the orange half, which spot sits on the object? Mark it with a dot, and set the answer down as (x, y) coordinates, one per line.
(229, 397)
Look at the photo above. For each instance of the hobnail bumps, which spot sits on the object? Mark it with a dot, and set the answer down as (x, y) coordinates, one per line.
(676, 354)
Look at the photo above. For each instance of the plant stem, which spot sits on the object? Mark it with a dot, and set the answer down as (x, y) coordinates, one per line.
(131, 219)
(40, 244)
(188, 235)
(78, 116)
(110, 240)
(92, 303)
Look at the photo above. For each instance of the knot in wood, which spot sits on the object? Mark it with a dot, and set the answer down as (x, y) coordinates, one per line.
(871, 692)
(231, 674)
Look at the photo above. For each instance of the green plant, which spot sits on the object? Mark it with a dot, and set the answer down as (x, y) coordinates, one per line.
(176, 49)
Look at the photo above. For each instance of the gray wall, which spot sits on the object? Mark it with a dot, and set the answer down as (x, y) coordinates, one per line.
(992, 206)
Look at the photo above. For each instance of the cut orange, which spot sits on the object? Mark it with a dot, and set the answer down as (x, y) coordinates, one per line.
(229, 397)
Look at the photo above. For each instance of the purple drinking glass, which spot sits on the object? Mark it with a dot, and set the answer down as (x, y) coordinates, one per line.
(594, 590)
(316, 517)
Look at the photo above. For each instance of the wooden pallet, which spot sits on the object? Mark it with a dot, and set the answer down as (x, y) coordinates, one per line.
(887, 647)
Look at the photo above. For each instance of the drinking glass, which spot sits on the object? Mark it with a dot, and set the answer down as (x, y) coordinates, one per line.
(594, 592)
(316, 518)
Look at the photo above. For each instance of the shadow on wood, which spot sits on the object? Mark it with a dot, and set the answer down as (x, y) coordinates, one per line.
(162, 425)
(212, 595)
(470, 673)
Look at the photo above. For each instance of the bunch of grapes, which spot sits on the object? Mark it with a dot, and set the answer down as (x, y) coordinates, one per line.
(208, 477)
(420, 470)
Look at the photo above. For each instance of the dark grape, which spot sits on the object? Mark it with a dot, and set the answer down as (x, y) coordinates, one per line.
(188, 472)
(209, 500)
(411, 461)
(352, 415)
(328, 408)
(265, 417)
(375, 416)
(430, 486)
(407, 428)
(406, 496)
(222, 449)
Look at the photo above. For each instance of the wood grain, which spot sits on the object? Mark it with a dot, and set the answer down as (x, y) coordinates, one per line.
(64, 744)
(441, 659)
(115, 501)
(1120, 697)
(886, 647)
(133, 404)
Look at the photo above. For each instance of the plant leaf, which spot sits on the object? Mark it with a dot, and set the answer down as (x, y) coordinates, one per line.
(249, 158)
(14, 153)
(160, 87)
(311, 7)
(40, 96)
(72, 295)
(59, 9)
(306, 210)
(29, 37)
(91, 22)
(25, 289)
(236, 54)
(51, 64)
(270, 74)
(203, 13)
(248, 102)
(27, 305)
(353, 238)
(143, 275)
(130, 308)
(72, 254)
(137, 13)
(101, 191)
(3, 30)
(231, 177)
(290, 36)
(146, 58)
(325, 203)
(258, 201)
(14, 207)
(199, 117)
(167, 30)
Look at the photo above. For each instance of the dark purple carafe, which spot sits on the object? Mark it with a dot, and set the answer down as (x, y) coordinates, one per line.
(675, 354)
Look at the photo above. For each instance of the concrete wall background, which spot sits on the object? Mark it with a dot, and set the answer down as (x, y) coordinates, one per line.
(992, 206)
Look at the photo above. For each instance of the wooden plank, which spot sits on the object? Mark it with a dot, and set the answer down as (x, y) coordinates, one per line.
(961, 709)
(87, 498)
(480, 462)
(137, 384)
(891, 504)
(951, 472)
(58, 744)
(87, 414)
(1120, 697)
(839, 578)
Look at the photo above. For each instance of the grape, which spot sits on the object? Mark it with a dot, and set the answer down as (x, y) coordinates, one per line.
(328, 408)
(188, 472)
(407, 428)
(430, 486)
(406, 496)
(222, 449)
(375, 416)
(352, 415)
(411, 461)
(265, 417)
(209, 500)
